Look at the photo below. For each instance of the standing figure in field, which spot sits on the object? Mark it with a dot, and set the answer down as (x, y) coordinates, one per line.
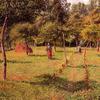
(49, 51)
(80, 47)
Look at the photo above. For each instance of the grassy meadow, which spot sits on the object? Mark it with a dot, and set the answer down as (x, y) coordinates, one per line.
(30, 77)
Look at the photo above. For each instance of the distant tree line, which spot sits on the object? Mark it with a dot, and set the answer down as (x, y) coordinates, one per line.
(40, 21)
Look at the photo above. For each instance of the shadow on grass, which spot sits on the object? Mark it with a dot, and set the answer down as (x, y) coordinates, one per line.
(55, 58)
(81, 66)
(35, 55)
(60, 83)
(44, 56)
(98, 55)
(92, 66)
(61, 51)
(18, 62)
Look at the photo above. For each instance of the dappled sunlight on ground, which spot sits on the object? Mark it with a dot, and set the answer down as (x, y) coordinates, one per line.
(23, 67)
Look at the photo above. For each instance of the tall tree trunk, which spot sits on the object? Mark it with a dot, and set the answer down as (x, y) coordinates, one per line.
(3, 47)
(55, 46)
(76, 43)
(64, 46)
(98, 43)
(26, 46)
(34, 47)
(90, 45)
(86, 78)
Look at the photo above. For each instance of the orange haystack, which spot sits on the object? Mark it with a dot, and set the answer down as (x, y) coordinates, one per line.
(22, 48)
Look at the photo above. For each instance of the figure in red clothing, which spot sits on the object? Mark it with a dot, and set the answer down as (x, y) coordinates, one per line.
(49, 51)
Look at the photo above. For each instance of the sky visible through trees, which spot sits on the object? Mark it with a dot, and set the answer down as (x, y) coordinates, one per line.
(76, 1)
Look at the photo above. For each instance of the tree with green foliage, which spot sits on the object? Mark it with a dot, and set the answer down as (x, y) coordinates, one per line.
(80, 8)
(21, 10)
(22, 33)
(60, 10)
(92, 34)
(94, 4)
(92, 26)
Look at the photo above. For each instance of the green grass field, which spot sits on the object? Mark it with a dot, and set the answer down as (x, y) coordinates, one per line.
(29, 77)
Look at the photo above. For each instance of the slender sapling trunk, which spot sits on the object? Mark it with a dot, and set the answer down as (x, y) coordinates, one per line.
(3, 48)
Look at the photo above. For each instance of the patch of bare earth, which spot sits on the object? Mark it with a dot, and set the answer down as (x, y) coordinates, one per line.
(19, 77)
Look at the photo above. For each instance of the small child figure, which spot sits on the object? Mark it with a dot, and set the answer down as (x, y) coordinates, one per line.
(49, 51)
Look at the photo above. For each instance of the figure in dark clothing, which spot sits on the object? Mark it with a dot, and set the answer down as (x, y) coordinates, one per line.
(49, 51)
(80, 47)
